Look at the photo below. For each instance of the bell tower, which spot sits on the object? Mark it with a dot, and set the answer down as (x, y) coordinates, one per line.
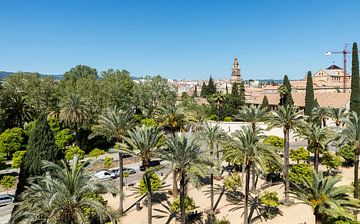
(235, 72)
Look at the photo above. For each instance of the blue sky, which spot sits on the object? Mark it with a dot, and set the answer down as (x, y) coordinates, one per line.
(178, 38)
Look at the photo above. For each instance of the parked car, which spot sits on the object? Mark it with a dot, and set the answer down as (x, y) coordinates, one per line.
(152, 163)
(6, 199)
(105, 175)
(116, 172)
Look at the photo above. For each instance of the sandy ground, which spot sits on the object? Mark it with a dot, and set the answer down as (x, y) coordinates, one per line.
(295, 214)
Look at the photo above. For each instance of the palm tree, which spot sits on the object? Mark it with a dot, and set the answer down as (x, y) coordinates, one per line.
(351, 136)
(321, 194)
(62, 196)
(338, 115)
(74, 112)
(114, 124)
(213, 136)
(218, 98)
(318, 138)
(247, 147)
(289, 119)
(18, 110)
(144, 142)
(320, 114)
(253, 114)
(185, 154)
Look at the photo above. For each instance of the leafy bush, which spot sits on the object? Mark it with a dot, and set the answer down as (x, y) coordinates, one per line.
(221, 221)
(348, 153)
(299, 154)
(233, 182)
(228, 119)
(96, 152)
(149, 122)
(107, 162)
(155, 184)
(270, 199)
(274, 141)
(188, 202)
(331, 161)
(17, 158)
(89, 212)
(213, 117)
(7, 182)
(72, 151)
(299, 172)
(12, 140)
(63, 138)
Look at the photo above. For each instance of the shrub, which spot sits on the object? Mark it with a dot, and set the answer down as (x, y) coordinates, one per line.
(96, 152)
(17, 158)
(63, 138)
(222, 221)
(107, 162)
(233, 182)
(299, 172)
(7, 182)
(299, 154)
(149, 122)
(270, 199)
(188, 202)
(155, 184)
(348, 153)
(72, 151)
(274, 141)
(213, 117)
(228, 119)
(12, 140)
(331, 161)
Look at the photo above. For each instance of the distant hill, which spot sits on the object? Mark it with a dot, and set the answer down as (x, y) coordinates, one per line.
(4, 74)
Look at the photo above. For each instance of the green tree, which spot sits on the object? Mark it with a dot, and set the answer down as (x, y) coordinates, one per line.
(331, 161)
(355, 81)
(185, 155)
(203, 92)
(74, 151)
(195, 93)
(287, 118)
(155, 184)
(143, 142)
(299, 154)
(107, 162)
(325, 199)
(17, 158)
(63, 138)
(288, 100)
(248, 148)
(274, 141)
(7, 182)
(80, 71)
(63, 196)
(74, 112)
(309, 95)
(41, 146)
(319, 115)
(265, 103)
(348, 153)
(299, 173)
(12, 140)
(96, 153)
(338, 115)
(235, 89)
(211, 87)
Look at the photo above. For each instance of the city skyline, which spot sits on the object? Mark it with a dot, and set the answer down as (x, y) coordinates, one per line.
(181, 40)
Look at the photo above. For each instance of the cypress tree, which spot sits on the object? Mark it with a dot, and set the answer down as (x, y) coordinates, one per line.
(235, 90)
(288, 98)
(41, 146)
(226, 89)
(211, 88)
(203, 90)
(355, 82)
(309, 95)
(265, 103)
(242, 93)
(195, 93)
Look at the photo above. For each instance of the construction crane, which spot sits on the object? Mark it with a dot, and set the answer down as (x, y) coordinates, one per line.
(344, 52)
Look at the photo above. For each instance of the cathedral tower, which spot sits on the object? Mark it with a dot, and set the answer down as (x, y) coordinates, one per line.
(235, 72)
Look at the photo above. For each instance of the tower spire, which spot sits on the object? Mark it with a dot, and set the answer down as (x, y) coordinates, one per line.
(235, 71)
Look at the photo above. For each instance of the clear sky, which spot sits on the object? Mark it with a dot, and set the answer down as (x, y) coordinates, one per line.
(177, 39)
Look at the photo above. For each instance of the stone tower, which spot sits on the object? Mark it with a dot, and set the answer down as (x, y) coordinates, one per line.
(235, 72)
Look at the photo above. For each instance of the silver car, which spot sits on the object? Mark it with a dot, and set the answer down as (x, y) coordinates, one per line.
(6, 199)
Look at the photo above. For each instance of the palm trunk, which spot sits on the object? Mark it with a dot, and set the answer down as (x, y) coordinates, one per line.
(318, 219)
(182, 198)
(77, 137)
(356, 173)
(247, 192)
(286, 162)
(175, 191)
(121, 180)
(211, 194)
(253, 175)
(316, 159)
(149, 202)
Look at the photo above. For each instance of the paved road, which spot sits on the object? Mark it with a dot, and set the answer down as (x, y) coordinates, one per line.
(5, 213)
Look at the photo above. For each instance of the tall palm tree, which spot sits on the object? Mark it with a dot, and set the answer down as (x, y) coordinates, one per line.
(253, 114)
(324, 197)
(114, 124)
(144, 142)
(18, 110)
(185, 154)
(173, 119)
(288, 118)
(247, 147)
(213, 136)
(338, 115)
(62, 196)
(318, 138)
(74, 112)
(351, 136)
(320, 114)
(219, 99)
